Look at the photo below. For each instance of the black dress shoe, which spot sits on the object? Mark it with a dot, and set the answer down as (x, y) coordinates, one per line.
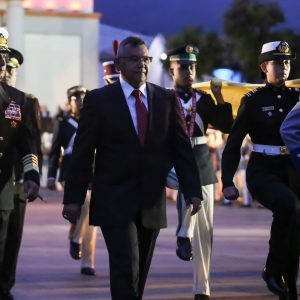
(184, 249)
(201, 297)
(75, 250)
(276, 284)
(88, 271)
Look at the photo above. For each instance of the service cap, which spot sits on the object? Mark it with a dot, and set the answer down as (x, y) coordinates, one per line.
(277, 50)
(3, 40)
(184, 54)
(15, 58)
(77, 89)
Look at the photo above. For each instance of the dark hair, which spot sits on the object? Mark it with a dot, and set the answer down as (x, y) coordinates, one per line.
(133, 41)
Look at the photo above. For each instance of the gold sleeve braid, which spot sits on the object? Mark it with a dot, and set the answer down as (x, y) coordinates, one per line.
(30, 162)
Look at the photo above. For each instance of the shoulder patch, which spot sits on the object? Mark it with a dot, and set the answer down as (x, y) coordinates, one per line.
(294, 89)
(253, 92)
(200, 92)
(30, 96)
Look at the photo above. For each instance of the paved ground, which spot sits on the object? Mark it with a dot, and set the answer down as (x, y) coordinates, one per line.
(46, 271)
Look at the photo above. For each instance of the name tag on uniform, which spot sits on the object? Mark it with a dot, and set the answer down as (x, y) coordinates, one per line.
(13, 111)
(268, 108)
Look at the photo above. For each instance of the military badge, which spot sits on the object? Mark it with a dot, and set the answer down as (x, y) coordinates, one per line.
(283, 47)
(189, 49)
(13, 124)
(13, 111)
(268, 108)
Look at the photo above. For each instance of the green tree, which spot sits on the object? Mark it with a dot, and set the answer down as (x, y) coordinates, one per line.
(210, 47)
(248, 24)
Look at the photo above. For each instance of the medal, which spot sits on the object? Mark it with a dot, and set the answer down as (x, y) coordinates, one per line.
(189, 125)
(13, 111)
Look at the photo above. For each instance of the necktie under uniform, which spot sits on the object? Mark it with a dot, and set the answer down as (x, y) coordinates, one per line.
(142, 115)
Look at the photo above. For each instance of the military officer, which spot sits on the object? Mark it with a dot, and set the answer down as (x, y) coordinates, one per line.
(15, 134)
(16, 219)
(260, 115)
(82, 236)
(198, 109)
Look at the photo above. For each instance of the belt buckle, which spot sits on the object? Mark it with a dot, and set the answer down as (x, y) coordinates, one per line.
(284, 150)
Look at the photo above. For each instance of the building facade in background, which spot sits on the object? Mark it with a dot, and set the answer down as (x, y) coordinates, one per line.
(60, 43)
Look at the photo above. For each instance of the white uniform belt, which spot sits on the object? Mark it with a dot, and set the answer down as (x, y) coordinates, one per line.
(270, 149)
(198, 140)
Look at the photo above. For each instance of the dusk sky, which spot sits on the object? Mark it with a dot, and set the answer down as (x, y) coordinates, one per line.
(171, 16)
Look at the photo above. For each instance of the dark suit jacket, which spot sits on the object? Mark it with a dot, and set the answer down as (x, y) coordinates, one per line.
(129, 178)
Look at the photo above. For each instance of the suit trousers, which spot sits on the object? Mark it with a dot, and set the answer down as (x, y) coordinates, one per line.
(130, 248)
(199, 228)
(85, 235)
(275, 193)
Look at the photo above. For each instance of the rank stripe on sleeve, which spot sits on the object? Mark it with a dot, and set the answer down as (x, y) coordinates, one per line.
(30, 162)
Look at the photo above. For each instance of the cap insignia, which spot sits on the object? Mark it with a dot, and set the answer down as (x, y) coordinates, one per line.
(283, 47)
(189, 49)
(3, 41)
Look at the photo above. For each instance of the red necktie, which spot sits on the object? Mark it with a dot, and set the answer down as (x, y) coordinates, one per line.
(141, 114)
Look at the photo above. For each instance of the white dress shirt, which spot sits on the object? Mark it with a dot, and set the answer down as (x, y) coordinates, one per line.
(127, 90)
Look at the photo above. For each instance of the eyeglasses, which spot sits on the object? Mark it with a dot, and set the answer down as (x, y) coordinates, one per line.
(135, 59)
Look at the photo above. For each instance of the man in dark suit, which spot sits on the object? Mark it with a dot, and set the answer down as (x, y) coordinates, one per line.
(136, 129)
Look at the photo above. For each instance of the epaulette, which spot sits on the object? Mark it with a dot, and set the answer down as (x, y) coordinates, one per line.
(30, 96)
(294, 89)
(253, 92)
(200, 92)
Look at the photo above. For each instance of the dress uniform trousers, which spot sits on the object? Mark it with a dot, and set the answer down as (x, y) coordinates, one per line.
(13, 243)
(271, 181)
(6, 207)
(199, 228)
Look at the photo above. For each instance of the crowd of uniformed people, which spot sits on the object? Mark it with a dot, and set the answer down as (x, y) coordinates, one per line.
(213, 154)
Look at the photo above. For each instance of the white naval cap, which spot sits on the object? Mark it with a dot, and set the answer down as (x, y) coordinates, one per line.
(276, 50)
